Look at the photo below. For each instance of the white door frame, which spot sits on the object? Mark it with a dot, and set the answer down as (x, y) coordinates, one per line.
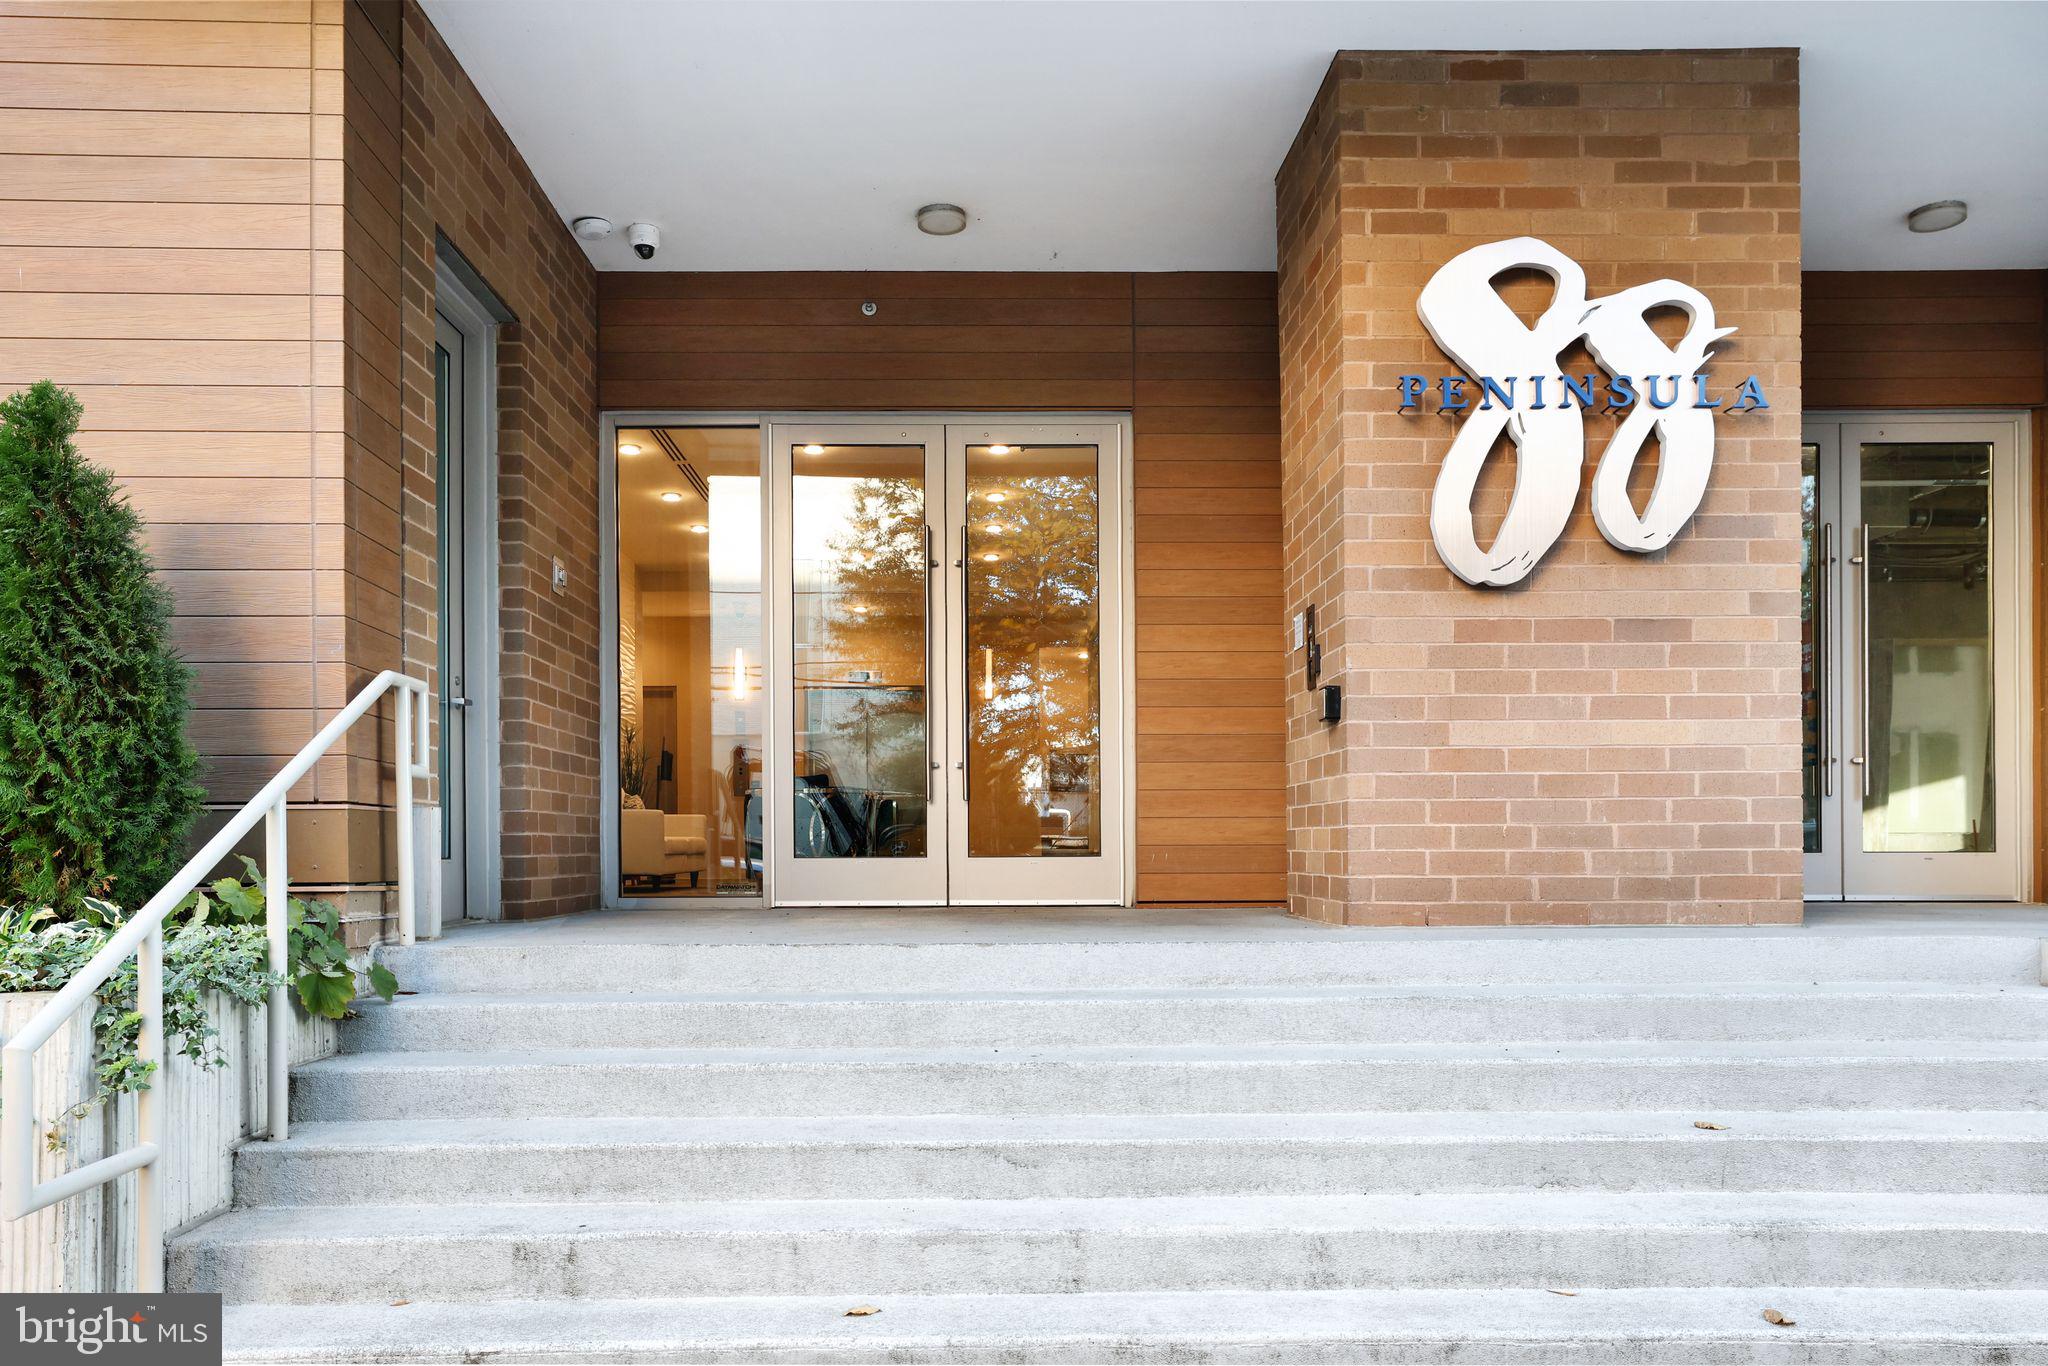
(473, 310)
(1842, 869)
(774, 615)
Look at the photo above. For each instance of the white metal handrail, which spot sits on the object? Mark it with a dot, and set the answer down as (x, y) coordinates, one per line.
(143, 936)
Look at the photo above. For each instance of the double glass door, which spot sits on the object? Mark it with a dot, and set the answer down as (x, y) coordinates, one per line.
(947, 662)
(1910, 605)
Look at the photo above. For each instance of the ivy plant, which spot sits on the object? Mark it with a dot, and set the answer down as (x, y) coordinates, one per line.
(216, 941)
(39, 952)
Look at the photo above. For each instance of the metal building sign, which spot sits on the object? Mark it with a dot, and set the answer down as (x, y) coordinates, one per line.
(1512, 384)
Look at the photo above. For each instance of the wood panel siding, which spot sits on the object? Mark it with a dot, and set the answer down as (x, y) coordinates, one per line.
(1191, 356)
(170, 217)
(1212, 771)
(1926, 339)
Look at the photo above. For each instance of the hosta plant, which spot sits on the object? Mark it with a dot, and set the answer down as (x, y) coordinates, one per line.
(323, 972)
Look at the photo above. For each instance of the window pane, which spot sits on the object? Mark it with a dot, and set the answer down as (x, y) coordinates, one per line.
(1034, 695)
(857, 541)
(1928, 665)
(691, 703)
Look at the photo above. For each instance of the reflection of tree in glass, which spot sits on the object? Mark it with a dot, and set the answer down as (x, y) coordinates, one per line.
(872, 621)
(1033, 611)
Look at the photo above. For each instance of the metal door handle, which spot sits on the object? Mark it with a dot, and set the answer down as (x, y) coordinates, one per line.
(967, 687)
(1823, 647)
(931, 765)
(1862, 562)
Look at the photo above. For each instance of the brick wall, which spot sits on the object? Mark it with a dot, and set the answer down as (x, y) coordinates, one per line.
(1615, 740)
(426, 160)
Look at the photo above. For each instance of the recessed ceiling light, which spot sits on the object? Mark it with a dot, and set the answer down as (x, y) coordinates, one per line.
(860, 609)
(1084, 654)
(941, 220)
(994, 528)
(671, 497)
(991, 557)
(1939, 216)
(628, 448)
(698, 528)
(998, 449)
(814, 449)
(997, 497)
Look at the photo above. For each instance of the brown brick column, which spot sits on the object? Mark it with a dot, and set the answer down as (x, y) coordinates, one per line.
(1616, 738)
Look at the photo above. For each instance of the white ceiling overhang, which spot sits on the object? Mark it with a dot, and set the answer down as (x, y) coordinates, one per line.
(1145, 136)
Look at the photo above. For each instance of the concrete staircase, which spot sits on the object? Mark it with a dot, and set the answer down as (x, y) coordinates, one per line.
(1301, 1145)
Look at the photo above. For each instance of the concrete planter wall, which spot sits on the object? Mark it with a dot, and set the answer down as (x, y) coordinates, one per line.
(85, 1244)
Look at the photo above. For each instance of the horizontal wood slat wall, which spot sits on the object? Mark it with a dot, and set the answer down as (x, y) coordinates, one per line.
(1926, 339)
(170, 225)
(1192, 357)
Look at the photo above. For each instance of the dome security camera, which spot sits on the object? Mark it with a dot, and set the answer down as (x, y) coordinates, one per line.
(646, 239)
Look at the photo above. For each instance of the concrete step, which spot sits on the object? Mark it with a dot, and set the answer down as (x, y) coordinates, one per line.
(1526, 1324)
(1000, 1157)
(1196, 1079)
(1290, 954)
(376, 1253)
(1357, 1014)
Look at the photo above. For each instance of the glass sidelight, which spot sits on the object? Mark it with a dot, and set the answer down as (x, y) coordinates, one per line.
(690, 701)
(950, 643)
(1911, 593)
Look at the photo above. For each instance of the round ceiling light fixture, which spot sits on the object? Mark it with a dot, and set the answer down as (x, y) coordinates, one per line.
(1939, 216)
(628, 448)
(592, 228)
(941, 220)
(814, 449)
(671, 497)
(699, 529)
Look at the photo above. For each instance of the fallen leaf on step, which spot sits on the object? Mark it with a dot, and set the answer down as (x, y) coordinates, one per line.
(1568, 1294)
(1707, 1124)
(861, 1312)
(1773, 1316)
(398, 1303)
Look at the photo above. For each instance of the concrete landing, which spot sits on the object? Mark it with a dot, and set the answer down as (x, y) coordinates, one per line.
(714, 924)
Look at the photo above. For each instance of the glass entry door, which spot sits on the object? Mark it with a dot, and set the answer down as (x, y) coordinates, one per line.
(947, 665)
(1911, 600)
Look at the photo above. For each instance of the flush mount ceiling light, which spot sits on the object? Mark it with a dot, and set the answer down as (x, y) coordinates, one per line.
(999, 449)
(994, 528)
(814, 449)
(628, 448)
(1939, 216)
(671, 497)
(997, 497)
(698, 529)
(991, 557)
(941, 220)
(592, 229)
